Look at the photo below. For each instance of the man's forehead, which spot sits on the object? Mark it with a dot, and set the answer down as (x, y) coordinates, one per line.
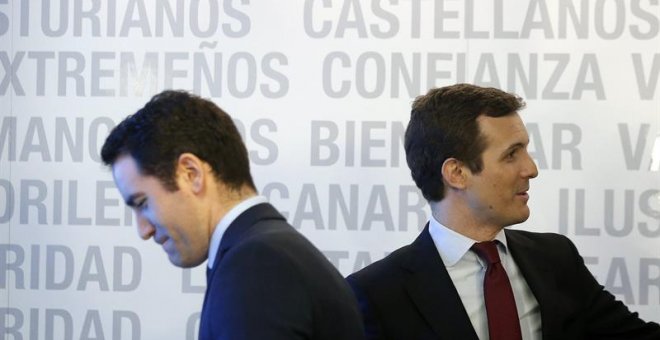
(504, 128)
(126, 175)
(124, 166)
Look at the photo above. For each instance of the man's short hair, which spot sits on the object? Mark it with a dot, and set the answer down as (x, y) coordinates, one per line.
(176, 122)
(443, 124)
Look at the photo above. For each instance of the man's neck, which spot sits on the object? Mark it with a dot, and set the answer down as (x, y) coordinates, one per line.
(226, 200)
(459, 219)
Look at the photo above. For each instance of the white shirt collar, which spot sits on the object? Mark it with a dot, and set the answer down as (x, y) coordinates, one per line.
(451, 245)
(224, 223)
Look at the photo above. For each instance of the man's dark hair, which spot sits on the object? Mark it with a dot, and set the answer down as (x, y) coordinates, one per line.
(176, 122)
(443, 124)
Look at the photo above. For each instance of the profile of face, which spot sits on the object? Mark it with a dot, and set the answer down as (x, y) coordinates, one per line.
(498, 194)
(172, 218)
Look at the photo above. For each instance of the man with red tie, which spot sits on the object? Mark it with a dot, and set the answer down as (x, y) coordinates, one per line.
(466, 276)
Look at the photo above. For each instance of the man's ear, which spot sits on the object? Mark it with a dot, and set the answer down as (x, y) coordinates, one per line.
(454, 173)
(190, 171)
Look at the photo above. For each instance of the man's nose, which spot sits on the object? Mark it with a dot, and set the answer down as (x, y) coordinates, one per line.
(145, 229)
(531, 171)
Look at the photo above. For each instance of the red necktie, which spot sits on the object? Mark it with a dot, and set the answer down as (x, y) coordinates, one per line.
(503, 323)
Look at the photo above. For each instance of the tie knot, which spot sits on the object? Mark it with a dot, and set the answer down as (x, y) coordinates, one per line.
(487, 251)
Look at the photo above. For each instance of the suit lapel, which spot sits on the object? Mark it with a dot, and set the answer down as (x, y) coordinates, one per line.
(433, 292)
(539, 277)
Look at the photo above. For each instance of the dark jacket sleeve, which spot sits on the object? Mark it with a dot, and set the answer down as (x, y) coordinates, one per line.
(605, 317)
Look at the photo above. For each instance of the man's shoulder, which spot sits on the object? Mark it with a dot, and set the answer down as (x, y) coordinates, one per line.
(539, 238)
(277, 235)
(541, 246)
(273, 247)
(275, 240)
(385, 269)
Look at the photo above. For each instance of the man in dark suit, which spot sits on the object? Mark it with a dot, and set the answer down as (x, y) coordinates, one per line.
(180, 163)
(466, 277)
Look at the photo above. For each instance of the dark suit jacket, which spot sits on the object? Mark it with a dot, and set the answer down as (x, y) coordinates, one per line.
(270, 282)
(409, 294)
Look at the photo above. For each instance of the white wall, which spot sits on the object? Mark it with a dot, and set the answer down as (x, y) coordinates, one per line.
(322, 90)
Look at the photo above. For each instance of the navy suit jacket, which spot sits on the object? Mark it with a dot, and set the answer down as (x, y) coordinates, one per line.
(409, 294)
(270, 282)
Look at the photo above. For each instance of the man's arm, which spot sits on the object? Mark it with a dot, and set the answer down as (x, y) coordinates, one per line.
(605, 316)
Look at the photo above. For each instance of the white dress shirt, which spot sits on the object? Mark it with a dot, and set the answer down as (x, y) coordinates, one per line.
(226, 221)
(467, 272)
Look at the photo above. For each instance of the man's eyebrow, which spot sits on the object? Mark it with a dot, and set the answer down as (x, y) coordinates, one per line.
(514, 147)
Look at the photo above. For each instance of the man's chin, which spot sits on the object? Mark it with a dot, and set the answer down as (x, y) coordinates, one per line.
(522, 218)
(519, 219)
(175, 261)
(180, 262)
